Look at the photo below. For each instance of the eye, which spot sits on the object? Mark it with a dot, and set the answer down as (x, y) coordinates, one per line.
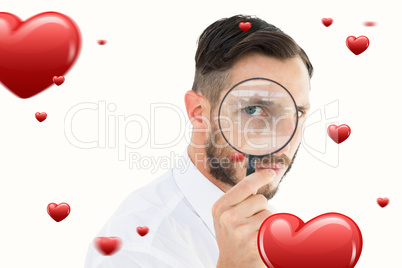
(301, 113)
(254, 110)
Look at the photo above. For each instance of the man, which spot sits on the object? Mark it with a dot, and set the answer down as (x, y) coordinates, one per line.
(208, 215)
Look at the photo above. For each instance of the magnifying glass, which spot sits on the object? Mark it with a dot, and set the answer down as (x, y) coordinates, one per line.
(257, 117)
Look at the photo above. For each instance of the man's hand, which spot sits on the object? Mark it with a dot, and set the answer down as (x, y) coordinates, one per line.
(238, 215)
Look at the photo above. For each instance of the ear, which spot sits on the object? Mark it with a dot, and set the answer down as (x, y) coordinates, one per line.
(197, 108)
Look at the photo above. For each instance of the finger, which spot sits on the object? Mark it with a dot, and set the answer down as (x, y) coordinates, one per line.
(251, 206)
(246, 187)
(256, 220)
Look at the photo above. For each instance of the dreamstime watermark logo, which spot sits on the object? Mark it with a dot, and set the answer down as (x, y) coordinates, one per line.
(112, 132)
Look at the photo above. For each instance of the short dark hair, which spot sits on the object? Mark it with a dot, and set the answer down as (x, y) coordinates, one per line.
(223, 42)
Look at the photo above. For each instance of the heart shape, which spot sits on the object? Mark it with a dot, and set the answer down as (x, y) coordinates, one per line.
(142, 230)
(383, 202)
(58, 80)
(58, 212)
(330, 240)
(370, 23)
(236, 157)
(327, 21)
(108, 245)
(357, 45)
(32, 51)
(339, 134)
(101, 42)
(41, 116)
(245, 26)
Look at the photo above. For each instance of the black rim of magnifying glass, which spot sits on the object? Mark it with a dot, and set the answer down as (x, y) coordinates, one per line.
(251, 158)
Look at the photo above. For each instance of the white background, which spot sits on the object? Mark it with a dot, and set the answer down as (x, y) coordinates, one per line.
(149, 58)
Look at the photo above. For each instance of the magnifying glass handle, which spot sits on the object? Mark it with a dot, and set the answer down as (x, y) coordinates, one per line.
(251, 160)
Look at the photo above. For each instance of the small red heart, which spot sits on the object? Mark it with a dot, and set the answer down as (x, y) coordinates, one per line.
(245, 26)
(383, 202)
(58, 80)
(58, 212)
(237, 157)
(357, 45)
(40, 116)
(101, 42)
(108, 245)
(142, 230)
(330, 240)
(370, 23)
(339, 134)
(327, 21)
(32, 51)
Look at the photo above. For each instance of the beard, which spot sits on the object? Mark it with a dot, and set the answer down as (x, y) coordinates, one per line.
(230, 174)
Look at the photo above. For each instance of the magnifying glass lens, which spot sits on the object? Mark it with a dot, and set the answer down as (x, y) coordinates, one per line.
(258, 117)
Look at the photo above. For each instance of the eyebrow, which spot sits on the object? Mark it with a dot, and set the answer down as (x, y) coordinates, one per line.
(254, 101)
(261, 102)
(303, 107)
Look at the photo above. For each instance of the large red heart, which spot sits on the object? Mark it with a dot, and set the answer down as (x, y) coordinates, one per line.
(34, 51)
(339, 134)
(58, 212)
(331, 240)
(108, 245)
(357, 45)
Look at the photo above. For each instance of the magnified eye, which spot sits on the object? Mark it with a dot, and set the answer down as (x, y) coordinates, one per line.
(254, 110)
(300, 113)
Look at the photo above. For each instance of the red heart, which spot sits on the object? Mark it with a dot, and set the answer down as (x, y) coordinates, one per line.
(108, 245)
(142, 230)
(32, 51)
(339, 134)
(236, 157)
(41, 116)
(330, 240)
(58, 80)
(357, 45)
(58, 212)
(369, 23)
(101, 42)
(383, 202)
(327, 21)
(245, 26)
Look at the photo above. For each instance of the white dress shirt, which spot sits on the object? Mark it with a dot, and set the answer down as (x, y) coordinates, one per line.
(176, 208)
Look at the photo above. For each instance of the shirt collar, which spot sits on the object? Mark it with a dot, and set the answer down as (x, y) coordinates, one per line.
(200, 192)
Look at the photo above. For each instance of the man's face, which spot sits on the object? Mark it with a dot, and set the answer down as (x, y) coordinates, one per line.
(293, 75)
